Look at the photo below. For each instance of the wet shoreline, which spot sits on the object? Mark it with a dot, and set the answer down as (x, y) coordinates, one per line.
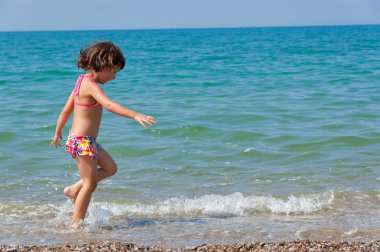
(303, 245)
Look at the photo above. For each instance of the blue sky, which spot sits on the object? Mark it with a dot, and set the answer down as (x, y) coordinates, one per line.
(16, 15)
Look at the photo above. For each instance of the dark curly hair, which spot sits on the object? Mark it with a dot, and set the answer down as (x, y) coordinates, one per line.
(101, 56)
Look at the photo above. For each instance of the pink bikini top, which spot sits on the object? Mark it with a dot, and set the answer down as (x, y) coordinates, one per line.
(77, 87)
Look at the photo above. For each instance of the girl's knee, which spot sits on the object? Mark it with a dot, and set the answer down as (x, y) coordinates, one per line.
(113, 170)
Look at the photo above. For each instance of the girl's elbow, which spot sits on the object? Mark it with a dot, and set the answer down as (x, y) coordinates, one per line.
(109, 107)
(66, 112)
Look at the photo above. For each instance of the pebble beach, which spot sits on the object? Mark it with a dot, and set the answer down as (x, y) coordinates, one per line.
(305, 245)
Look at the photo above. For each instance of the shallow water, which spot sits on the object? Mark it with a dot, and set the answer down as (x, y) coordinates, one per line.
(263, 134)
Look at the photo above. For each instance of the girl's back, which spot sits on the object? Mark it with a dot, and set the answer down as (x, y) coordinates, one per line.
(87, 112)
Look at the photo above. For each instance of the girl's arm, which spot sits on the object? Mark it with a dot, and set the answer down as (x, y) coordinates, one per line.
(62, 119)
(118, 109)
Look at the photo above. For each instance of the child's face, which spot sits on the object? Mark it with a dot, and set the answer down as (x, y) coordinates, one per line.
(107, 74)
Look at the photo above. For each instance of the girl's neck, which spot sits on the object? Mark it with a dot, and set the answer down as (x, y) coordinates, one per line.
(93, 74)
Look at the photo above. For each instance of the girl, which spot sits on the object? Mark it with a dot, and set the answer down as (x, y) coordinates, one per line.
(101, 62)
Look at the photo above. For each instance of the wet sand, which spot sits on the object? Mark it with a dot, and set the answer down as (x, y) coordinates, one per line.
(295, 246)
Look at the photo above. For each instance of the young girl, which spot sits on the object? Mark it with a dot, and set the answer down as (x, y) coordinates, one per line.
(101, 62)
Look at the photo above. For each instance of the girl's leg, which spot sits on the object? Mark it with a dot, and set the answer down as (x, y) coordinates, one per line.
(107, 168)
(87, 170)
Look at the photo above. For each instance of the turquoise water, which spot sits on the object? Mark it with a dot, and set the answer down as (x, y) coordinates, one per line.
(263, 134)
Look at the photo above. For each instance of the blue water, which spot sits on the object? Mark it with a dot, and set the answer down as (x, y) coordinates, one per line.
(263, 134)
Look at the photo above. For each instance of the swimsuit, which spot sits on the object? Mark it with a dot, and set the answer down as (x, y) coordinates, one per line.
(82, 145)
(77, 87)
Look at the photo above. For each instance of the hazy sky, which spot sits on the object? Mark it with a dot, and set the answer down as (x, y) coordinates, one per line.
(142, 14)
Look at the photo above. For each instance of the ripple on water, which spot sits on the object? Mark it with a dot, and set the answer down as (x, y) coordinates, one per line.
(7, 137)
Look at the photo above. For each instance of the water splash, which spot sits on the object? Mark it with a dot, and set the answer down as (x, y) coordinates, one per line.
(233, 205)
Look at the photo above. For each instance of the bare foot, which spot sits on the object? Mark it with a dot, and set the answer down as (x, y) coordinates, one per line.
(77, 225)
(71, 192)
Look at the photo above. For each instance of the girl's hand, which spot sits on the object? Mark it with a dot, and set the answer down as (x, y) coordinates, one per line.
(142, 119)
(55, 140)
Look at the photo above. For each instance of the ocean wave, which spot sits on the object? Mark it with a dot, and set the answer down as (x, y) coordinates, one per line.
(211, 205)
(233, 205)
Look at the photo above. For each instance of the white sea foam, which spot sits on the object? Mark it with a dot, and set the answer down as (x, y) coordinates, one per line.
(223, 206)
(233, 205)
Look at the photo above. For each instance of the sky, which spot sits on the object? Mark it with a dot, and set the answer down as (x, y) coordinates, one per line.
(36, 15)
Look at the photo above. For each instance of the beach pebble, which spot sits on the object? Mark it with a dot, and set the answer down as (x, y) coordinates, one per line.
(11, 249)
(295, 246)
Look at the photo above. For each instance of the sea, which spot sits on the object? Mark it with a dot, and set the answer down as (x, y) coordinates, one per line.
(262, 135)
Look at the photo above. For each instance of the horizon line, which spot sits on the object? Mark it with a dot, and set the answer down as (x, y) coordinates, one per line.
(191, 28)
